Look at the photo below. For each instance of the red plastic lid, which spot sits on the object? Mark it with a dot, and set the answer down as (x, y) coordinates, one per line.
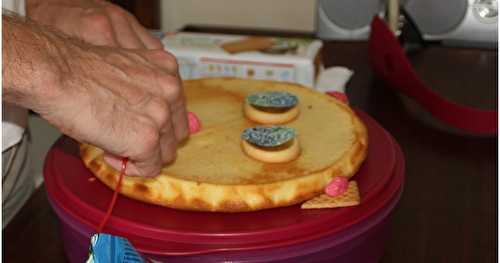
(160, 230)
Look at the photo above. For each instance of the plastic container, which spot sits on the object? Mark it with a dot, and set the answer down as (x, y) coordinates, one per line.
(290, 234)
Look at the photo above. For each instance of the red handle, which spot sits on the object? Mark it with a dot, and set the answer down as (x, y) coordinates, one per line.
(390, 62)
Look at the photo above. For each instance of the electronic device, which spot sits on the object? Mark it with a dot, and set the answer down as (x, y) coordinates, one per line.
(454, 22)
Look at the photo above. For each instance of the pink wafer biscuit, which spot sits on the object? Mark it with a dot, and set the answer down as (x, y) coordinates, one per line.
(337, 186)
(194, 123)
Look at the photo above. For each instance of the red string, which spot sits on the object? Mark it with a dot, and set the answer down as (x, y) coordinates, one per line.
(115, 195)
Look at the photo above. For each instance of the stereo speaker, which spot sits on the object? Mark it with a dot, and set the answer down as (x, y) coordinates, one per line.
(454, 22)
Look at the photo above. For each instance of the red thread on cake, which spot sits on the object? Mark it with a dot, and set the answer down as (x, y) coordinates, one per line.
(115, 195)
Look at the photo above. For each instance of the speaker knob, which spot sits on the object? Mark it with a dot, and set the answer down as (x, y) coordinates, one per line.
(486, 10)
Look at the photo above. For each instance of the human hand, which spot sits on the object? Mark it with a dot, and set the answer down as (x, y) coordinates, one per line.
(128, 102)
(94, 21)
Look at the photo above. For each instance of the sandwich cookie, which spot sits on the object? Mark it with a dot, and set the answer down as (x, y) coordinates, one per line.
(271, 107)
(276, 144)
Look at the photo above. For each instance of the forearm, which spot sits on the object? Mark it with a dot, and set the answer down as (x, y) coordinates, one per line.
(35, 8)
(96, 22)
(31, 62)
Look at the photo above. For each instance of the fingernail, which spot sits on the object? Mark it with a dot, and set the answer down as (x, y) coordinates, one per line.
(132, 170)
(116, 163)
(113, 161)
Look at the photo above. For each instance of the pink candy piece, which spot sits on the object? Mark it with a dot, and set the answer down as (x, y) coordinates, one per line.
(339, 95)
(337, 186)
(194, 123)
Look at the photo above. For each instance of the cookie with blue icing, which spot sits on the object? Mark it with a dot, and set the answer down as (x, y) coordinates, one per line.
(271, 107)
(268, 136)
(276, 144)
(273, 99)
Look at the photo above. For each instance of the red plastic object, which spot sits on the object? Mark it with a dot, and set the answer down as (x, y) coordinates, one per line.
(163, 231)
(363, 242)
(389, 61)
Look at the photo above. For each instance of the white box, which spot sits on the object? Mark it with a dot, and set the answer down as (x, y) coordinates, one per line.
(200, 55)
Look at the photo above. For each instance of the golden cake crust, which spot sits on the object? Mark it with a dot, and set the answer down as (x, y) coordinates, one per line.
(212, 173)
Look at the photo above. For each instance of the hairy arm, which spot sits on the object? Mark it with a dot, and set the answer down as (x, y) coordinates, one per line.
(127, 102)
(95, 21)
(31, 62)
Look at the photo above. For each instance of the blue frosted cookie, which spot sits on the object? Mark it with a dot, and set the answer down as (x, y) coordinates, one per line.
(273, 99)
(268, 136)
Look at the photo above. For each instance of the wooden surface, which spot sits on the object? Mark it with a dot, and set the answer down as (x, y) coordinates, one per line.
(448, 212)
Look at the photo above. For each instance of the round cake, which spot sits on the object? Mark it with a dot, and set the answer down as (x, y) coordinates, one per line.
(212, 172)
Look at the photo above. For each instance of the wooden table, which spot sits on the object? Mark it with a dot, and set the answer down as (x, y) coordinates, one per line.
(448, 212)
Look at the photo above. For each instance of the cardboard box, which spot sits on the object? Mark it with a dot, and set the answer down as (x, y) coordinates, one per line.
(267, 58)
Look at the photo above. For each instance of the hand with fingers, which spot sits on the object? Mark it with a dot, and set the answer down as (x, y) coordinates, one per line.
(129, 102)
(102, 23)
